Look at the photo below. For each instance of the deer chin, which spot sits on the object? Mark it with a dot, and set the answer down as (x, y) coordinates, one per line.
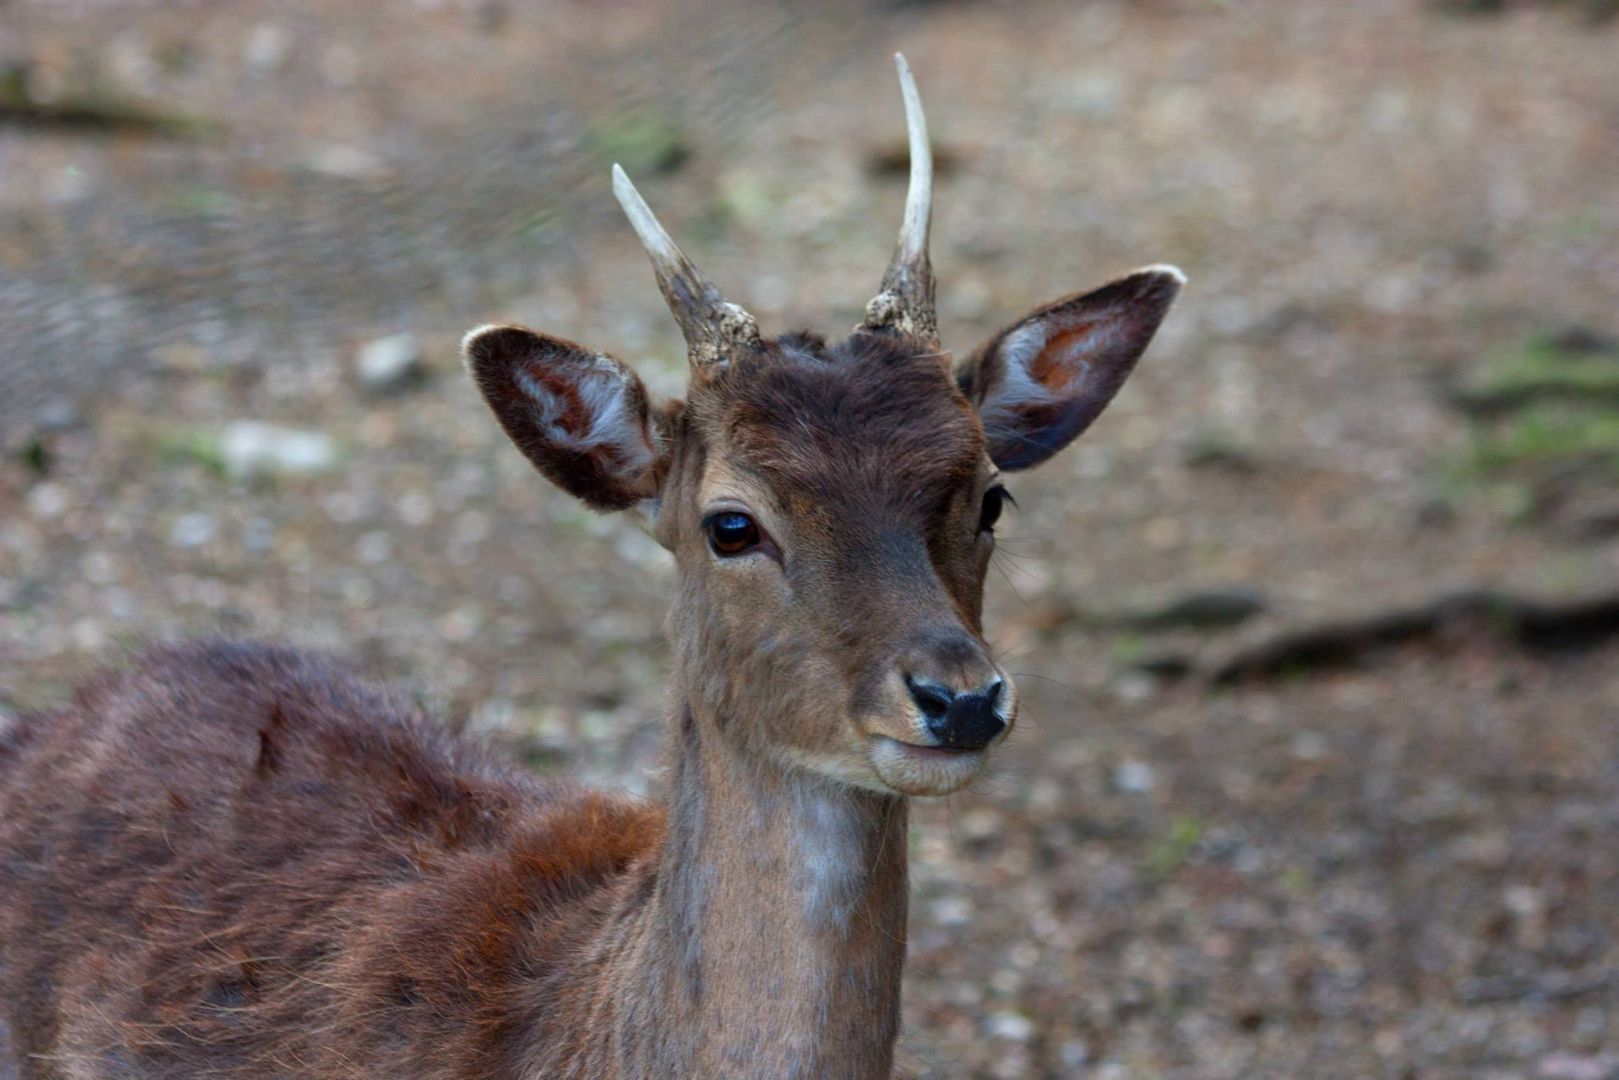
(893, 766)
(915, 769)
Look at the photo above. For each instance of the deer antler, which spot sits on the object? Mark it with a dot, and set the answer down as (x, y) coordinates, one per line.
(713, 326)
(906, 301)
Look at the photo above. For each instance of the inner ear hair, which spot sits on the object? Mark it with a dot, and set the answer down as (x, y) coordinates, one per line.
(1042, 381)
(581, 417)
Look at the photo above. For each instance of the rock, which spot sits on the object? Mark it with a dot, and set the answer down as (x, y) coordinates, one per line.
(250, 448)
(389, 363)
(47, 500)
(952, 911)
(57, 414)
(1134, 777)
(266, 47)
(347, 163)
(1011, 1025)
(192, 530)
(1308, 746)
(1074, 1053)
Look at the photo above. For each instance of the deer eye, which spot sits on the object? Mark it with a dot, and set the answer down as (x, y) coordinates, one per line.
(731, 533)
(995, 500)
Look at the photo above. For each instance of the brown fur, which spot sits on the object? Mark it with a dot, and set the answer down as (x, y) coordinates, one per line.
(245, 861)
(240, 861)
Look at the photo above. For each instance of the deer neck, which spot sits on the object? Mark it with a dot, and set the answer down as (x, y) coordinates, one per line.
(779, 915)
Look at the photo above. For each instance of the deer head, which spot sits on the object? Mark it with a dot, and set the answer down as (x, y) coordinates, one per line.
(831, 507)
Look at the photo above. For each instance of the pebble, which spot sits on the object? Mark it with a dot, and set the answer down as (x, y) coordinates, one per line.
(1011, 1025)
(57, 414)
(47, 500)
(1134, 777)
(389, 363)
(1309, 746)
(266, 47)
(250, 448)
(1074, 1053)
(192, 530)
(347, 163)
(952, 911)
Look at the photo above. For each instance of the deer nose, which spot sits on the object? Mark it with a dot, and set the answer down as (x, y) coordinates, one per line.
(959, 720)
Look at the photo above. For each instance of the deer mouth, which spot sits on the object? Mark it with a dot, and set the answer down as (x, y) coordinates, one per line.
(942, 751)
(916, 769)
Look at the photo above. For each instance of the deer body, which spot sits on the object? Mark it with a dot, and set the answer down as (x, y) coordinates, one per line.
(242, 861)
(264, 866)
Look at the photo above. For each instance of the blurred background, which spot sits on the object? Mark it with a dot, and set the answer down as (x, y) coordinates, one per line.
(1318, 628)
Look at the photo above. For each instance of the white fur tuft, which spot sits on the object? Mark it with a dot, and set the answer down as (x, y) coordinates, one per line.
(605, 391)
(1174, 273)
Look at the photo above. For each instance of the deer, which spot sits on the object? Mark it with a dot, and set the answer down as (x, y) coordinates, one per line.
(228, 859)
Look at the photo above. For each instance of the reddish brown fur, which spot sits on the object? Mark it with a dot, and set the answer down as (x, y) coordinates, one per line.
(248, 861)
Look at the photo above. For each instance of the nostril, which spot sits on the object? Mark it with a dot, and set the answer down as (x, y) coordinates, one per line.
(992, 692)
(934, 701)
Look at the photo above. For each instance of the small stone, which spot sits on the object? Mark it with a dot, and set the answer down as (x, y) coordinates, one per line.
(981, 824)
(250, 448)
(258, 535)
(1095, 94)
(47, 500)
(1524, 901)
(1309, 746)
(266, 46)
(952, 911)
(389, 363)
(347, 163)
(461, 624)
(1134, 777)
(1074, 1053)
(1135, 686)
(416, 508)
(1011, 1025)
(192, 530)
(374, 547)
(57, 414)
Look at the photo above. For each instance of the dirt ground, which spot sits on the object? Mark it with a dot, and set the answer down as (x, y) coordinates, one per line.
(1392, 377)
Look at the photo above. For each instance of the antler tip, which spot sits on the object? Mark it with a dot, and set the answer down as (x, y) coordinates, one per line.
(907, 85)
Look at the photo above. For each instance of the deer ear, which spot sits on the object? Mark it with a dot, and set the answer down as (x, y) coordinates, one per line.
(581, 417)
(1042, 381)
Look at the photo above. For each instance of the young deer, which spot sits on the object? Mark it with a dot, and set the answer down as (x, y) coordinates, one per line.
(242, 861)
